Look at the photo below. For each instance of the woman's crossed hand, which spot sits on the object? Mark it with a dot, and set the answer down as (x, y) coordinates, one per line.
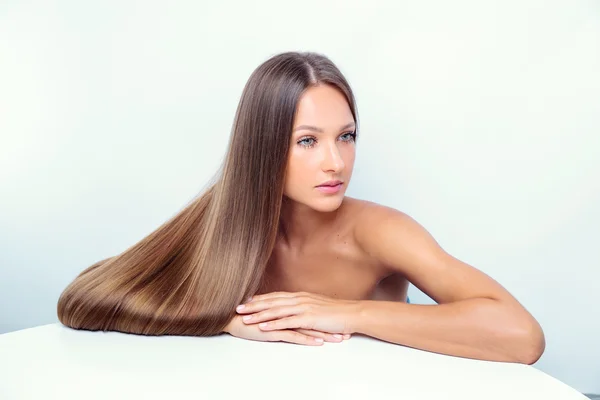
(278, 308)
(307, 337)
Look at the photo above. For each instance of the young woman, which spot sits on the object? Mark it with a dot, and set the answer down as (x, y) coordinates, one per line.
(275, 226)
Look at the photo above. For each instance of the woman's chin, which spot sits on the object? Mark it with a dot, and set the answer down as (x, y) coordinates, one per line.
(328, 204)
(319, 203)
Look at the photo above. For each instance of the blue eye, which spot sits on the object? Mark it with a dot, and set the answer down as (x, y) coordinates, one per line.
(304, 141)
(352, 136)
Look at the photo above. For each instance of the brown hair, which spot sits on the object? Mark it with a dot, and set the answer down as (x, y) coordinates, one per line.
(187, 277)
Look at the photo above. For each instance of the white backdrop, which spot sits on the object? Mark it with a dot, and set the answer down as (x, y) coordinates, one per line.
(479, 119)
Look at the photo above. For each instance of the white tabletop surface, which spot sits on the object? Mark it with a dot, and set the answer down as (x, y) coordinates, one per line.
(55, 362)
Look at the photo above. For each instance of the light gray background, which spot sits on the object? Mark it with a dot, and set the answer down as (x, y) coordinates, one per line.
(481, 119)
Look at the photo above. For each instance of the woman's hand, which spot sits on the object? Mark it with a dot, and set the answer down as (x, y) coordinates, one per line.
(283, 310)
(299, 336)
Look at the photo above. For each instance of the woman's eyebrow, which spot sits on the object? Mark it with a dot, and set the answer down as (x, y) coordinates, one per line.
(314, 128)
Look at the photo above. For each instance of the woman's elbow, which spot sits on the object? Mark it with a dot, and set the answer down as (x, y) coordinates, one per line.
(531, 343)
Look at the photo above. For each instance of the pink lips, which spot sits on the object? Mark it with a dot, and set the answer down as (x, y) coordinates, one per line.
(330, 189)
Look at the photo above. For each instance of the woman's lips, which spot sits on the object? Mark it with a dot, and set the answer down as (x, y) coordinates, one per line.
(330, 189)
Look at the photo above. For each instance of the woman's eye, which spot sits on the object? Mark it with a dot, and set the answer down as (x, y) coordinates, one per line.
(349, 136)
(304, 142)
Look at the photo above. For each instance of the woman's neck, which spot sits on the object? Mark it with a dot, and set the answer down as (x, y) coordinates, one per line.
(301, 225)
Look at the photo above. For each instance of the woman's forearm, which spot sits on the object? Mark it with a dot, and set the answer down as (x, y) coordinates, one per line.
(476, 328)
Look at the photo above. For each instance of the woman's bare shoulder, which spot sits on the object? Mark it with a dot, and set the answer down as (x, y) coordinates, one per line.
(354, 206)
(369, 216)
(364, 212)
(359, 216)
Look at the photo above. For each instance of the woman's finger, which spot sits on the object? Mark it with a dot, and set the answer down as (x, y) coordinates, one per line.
(293, 322)
(292, 336)
(272, 314)
(261, 305)
(328, 337)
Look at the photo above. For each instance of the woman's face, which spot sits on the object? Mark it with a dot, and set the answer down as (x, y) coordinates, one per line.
(322, 149)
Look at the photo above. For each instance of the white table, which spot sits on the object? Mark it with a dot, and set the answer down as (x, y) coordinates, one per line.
(55, 362)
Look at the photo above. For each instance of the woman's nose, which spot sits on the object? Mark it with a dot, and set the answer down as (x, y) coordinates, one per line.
(332, 159)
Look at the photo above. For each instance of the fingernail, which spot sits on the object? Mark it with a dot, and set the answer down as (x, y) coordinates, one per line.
(337, 336)
(247, 317)
(241, 307)
(249, 299)
(262, 325)
(319, 340)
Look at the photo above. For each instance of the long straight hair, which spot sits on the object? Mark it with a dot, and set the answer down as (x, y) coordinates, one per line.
(187, 276)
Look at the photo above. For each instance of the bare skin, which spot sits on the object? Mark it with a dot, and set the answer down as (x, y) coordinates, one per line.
(342, 265)
(317, 251)
(334, 265)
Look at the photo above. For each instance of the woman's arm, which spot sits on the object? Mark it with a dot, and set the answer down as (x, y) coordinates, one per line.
(475, 316)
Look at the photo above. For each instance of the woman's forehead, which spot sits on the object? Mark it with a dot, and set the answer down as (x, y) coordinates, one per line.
(324, 108)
